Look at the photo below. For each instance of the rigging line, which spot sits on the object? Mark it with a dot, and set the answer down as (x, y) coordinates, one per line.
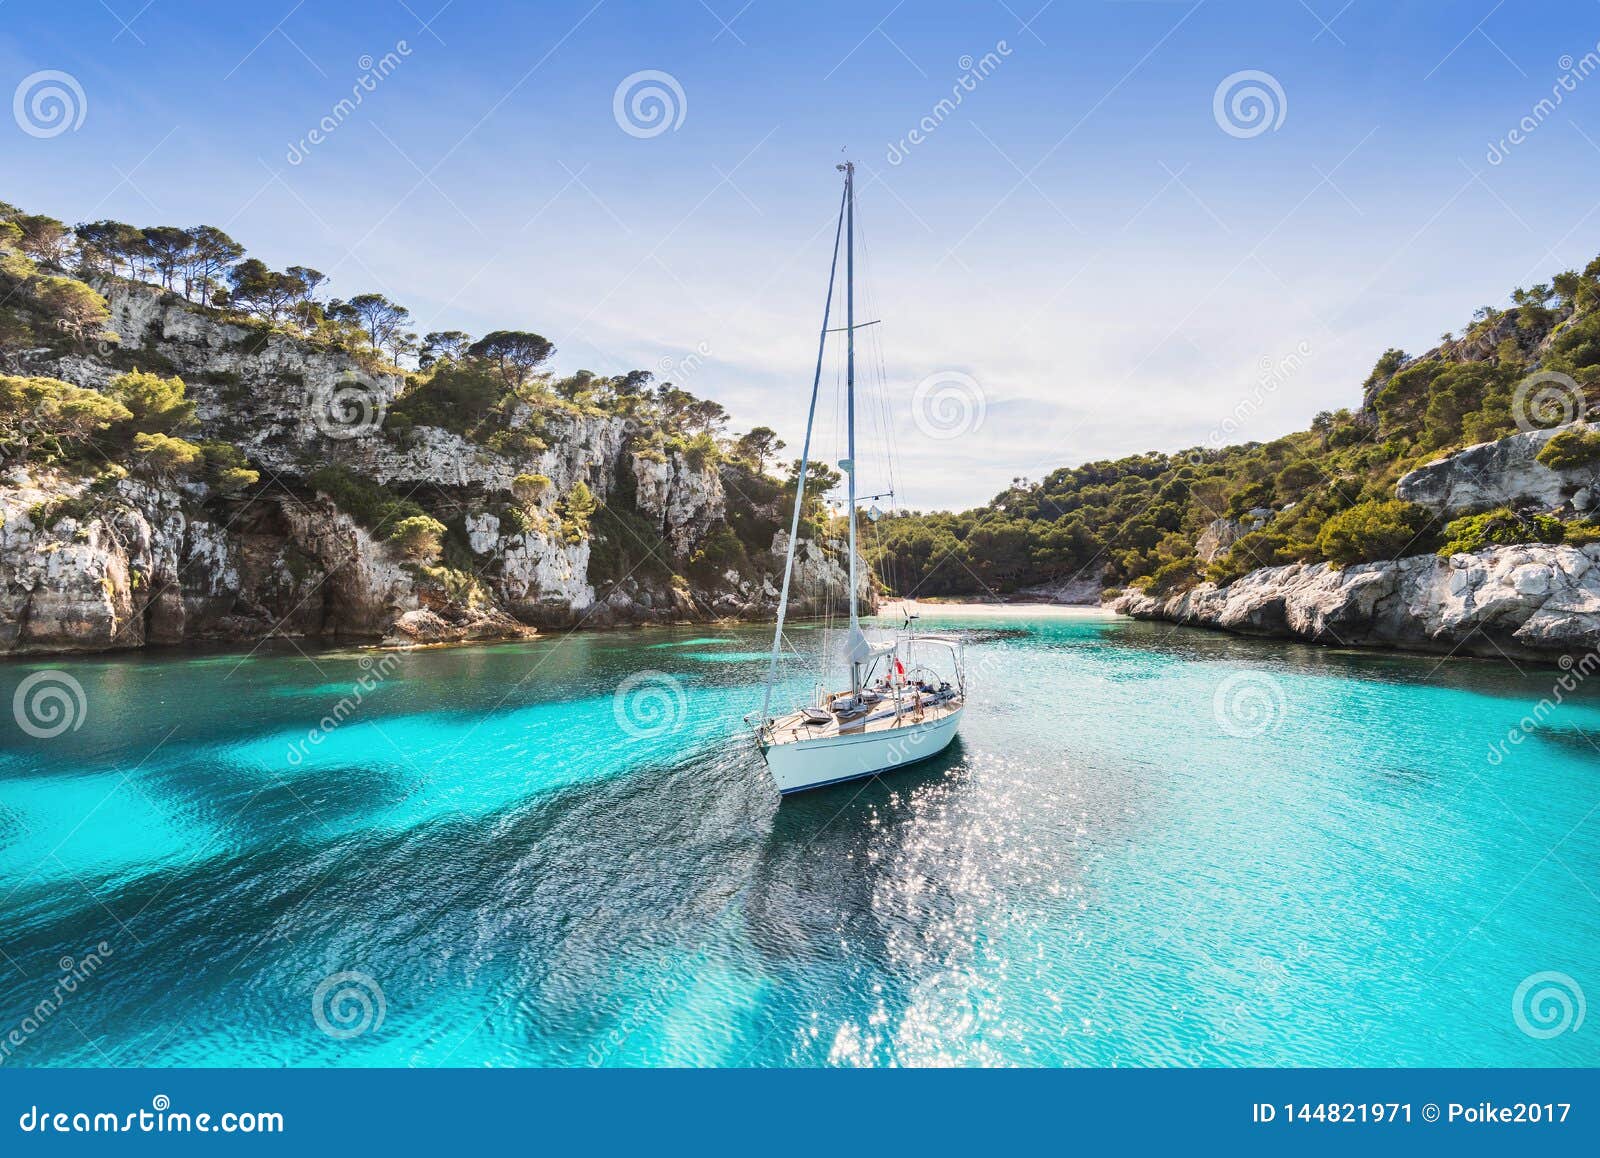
(882, 413)
(891, 435)
(864, 382)
(800, 475)
(871, 385)
(883, 417)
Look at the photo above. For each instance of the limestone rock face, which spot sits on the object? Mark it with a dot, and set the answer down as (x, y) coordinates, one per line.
(821, 577)
(85, 569)
(1502, 473)
(1217, 538)
(1531, 600)
(541, 579)
(483, 533)
(1082, 591)
(685, 500)
(122, 563)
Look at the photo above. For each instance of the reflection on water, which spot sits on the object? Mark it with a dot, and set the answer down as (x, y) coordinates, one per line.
(1104, 869)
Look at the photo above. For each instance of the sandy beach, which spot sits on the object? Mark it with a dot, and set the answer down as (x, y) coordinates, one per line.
(930, 611)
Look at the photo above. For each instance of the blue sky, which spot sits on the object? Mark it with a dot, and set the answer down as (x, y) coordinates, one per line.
(1080, 246)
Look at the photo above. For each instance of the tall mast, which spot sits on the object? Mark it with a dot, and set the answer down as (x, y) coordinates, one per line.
(800, 481)
(850, 393)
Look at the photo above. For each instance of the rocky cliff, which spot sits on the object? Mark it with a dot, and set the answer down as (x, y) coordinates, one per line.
(1509, 602)
(1519, 600)
(1504, 473)
(92, 561)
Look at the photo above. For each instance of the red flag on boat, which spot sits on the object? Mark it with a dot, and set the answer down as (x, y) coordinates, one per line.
(899, 668)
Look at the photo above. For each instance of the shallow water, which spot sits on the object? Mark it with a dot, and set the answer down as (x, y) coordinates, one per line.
(1150, 846)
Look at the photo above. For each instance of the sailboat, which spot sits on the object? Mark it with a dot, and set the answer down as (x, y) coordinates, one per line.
(899, 708)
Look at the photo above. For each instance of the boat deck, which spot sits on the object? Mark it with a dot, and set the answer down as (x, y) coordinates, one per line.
(789, 728)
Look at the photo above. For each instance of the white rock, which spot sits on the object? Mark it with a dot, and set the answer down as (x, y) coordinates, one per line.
(1531, 579)
(1216, 539)
(683, 500)
(1497, 474)
(483, 533)
(1529, 600)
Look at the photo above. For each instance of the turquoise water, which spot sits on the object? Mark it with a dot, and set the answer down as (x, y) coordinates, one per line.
(1150, 846)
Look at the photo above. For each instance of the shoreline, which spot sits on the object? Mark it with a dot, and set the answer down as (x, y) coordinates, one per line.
(958, 610)
(368, 645)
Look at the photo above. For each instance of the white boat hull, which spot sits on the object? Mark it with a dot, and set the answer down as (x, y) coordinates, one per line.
(803, 764)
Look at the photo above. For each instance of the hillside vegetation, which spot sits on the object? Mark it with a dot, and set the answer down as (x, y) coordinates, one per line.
(1324, 494)
(496, 391)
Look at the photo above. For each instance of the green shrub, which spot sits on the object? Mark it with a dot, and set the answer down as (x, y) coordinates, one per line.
(72, 306)
(1581, 534)
(518, 443)
(1295, 480)
(457, 585)
(158, 405)
(529, 488)
(1174, 576)
(399, 427)
(1498, 528)
(80, 508)
(227, 468)
(47, 418)
(575, 511)
(701, 451)
(1257, 549)
(164, 455)
(418, 536)
(1571, 449)
(1373, 530)
(456, 396)
(624, 543)
(520, 520)
(721, 552)
(368, 503)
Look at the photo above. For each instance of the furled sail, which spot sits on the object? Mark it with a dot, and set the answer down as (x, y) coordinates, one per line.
(859, 649)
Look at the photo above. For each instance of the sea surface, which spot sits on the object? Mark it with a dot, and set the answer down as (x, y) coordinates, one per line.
(1150, 846)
